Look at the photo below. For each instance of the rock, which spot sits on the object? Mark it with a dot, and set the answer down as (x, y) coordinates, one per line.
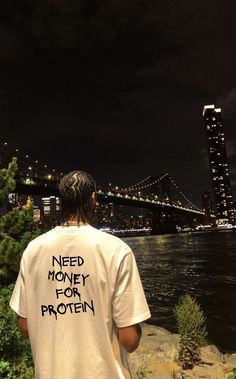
(158, 340)
(210, 354)
(230, 358)
(151, 366)
(217, 371)
(205, 372)
(157, 355)
(201, 372)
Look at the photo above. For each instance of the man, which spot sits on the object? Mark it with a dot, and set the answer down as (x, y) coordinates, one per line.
(78, 294)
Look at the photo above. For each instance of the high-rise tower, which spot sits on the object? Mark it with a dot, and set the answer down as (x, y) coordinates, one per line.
(218, 164)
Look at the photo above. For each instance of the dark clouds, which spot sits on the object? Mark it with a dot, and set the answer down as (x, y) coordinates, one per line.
(118, 87)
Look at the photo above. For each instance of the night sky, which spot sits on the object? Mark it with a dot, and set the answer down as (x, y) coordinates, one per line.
(117, 87)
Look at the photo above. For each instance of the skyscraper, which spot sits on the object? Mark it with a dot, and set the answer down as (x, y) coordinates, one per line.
(218, 164)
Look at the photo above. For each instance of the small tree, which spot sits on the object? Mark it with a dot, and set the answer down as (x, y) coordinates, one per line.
(16, 228)
(192, 330)
(7, 181)
(16, 231)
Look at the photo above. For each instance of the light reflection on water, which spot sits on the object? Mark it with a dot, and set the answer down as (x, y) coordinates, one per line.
(202, 264)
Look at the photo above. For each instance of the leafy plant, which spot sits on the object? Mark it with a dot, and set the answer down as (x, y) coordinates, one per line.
(15, 371)
(16, 228)
(5, 368)
(142, 371)
(11, 343)
(192, 330)
(16, 360)
(7, 181)
(233, 375)
(16, 231)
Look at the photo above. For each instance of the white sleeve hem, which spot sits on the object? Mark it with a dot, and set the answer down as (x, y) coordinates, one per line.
(133, 320)
(16, 309)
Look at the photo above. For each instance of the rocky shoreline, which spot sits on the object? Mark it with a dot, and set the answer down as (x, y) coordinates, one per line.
(156, 358)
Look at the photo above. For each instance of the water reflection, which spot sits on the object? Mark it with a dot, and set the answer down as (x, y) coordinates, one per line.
(202, 264)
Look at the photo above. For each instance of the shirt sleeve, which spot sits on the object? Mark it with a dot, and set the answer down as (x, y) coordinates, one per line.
(129, 302)
(18, 298)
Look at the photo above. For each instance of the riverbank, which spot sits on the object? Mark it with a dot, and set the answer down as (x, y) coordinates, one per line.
(157, 354)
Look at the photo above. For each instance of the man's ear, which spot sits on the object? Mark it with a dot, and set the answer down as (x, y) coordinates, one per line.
(94, 197)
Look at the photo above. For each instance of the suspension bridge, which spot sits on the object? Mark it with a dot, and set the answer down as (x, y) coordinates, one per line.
(158, 193)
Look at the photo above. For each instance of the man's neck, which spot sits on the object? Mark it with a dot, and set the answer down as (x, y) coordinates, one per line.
(73, 222)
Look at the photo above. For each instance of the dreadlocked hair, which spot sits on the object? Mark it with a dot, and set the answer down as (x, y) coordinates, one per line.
(76, 189)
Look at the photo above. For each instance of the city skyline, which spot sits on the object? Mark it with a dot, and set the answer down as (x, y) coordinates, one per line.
(118, 89)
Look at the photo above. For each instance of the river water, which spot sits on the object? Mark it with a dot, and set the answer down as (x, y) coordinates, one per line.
(202, 264)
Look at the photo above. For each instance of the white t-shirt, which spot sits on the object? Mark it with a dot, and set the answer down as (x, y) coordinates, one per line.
(76, 285)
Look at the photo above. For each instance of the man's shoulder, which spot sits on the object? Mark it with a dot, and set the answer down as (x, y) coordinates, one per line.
(107, 237)
(42, 238)
(109, 246)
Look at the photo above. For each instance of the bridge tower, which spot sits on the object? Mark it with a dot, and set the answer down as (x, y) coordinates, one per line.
(161, 187)
(162, 220)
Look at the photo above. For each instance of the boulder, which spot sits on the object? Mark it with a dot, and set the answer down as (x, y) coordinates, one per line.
(231, 359)
(210, 354)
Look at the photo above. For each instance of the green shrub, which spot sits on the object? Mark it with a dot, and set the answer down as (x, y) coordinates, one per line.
(5, 369)
(10, 340)
(142, 370)
(21, 371)
(15, 371)
(192, 330)
(12, 345)
(233, 375)
(16, 231)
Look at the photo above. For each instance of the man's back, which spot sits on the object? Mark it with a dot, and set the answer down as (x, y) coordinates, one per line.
(76, 286)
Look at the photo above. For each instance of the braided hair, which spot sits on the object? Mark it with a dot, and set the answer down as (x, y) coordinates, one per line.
(76, 189)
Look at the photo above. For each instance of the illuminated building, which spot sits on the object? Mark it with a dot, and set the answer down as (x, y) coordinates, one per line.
(218, 164)
(14, 200)
(36, 215)
(51, 210)
(207, 204)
